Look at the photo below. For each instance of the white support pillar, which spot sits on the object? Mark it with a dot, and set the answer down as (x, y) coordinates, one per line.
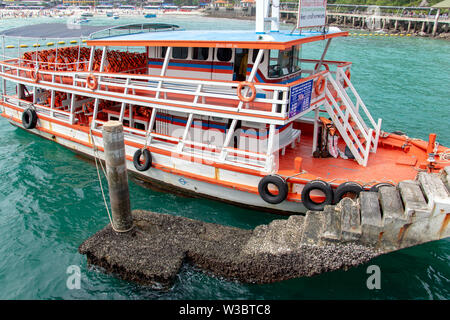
(123, 106)
(91, 59)
(259, 20)
(52, 102)
(102, 63)
(150, 126)
(275, 24)
(94, 115)
(72, 108)
(164, 68)
(259, 57)
(323, 56)
(223, 153)
(270, 148)
(185, 133)
(316, 130)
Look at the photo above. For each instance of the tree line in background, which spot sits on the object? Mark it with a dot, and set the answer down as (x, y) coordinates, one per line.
(395, 3)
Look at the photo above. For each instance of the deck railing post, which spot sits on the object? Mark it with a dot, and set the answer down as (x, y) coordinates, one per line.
(116, 172)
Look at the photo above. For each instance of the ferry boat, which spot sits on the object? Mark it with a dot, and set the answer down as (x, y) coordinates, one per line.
(237, 116)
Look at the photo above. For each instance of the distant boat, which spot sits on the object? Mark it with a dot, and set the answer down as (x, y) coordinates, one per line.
(109, 14)
(150, 15)
(87, 15)
(80, 21)
(115, 16)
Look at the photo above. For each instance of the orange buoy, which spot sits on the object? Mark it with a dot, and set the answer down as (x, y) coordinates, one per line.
(348, 74)
(252, 88)
(35, 75)
(92, 81)
(319, 86)
(323, 64)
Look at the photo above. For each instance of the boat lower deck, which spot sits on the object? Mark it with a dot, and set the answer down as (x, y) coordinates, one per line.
(390, 163)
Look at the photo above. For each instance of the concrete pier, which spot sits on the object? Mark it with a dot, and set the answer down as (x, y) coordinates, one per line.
(342, 236)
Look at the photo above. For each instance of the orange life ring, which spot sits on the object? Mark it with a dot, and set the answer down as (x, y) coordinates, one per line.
(319, 86)
(92, 82)
(348, 74)
(35, 75)
(323, 64)
(252, 88)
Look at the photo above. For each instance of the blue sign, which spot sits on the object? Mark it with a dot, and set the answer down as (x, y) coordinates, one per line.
(300, 99)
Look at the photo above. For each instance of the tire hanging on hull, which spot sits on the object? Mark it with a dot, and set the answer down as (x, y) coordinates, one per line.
(279, 183)
(29, 119)
(147, 160)
(321, 186)
(345, 188)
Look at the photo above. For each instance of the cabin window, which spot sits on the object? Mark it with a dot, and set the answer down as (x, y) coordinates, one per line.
(180, 52)
(200, 53)
(255, 54)
(224, 54)
(284, 62)
(140, 126)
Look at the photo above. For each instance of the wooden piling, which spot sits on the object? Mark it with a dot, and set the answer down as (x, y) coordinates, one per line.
(116, 172)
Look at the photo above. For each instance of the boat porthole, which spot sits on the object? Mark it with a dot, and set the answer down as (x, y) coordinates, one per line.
(347, 190)
(29, 119)
(147, 161)
(377, 186)
(279, 183)
(321, 186)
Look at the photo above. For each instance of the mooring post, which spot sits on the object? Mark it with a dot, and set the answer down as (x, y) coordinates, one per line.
(116, 173)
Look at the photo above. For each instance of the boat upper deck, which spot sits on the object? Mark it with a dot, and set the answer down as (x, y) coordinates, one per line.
(219, 38)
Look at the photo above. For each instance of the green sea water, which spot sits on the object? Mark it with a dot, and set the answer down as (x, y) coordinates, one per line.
(50, 199)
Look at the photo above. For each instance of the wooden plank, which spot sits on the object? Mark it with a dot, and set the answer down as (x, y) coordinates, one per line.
(394, 218)
(391, 203)
(350, 219)
(371, 223)
(332, 227)
(370, 209)
(313, 227)
(432, 186)
(413, 198)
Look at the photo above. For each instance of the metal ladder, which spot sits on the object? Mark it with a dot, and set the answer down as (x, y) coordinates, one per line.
(360, 137)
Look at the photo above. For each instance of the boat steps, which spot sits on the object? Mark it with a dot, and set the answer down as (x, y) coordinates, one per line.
(414, 212)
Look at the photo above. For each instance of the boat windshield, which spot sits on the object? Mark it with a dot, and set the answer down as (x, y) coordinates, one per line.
(284, 62)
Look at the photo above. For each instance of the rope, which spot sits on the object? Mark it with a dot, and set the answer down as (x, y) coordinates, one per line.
(100, 181)
(445, 156)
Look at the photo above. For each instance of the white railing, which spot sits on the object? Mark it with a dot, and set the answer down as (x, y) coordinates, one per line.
(205, 152)
(376, 126)
(211, 97)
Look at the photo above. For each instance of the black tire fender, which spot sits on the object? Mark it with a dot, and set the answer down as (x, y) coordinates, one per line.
(347, 187)
(29, 118)
(377, 186)
(147, 159)
(321, 186)
(266, 195)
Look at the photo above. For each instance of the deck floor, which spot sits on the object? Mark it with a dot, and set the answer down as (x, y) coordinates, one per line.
(386, 165)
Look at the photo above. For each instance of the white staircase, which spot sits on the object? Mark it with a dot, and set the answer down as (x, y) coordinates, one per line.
(360, 137)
